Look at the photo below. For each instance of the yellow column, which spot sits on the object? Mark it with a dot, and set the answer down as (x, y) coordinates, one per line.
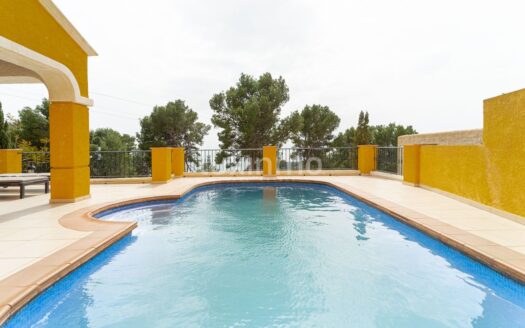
(160, 164)
(177, 161)
(366, 158)
(411, 164)
(69, 140)
(269, 161)
(10, 161)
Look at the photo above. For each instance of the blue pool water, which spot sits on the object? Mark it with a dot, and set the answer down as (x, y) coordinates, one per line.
(275, 255)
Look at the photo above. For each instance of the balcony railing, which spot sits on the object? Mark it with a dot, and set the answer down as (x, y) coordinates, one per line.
(35, 162)
(218, 160)
(120, 164)
(329, 158)
(103, 164)
(137, 163)
(390, 160)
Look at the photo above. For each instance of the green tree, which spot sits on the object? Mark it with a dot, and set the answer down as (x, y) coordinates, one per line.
(343, 156)
(248, 114)
(34, 125)
(346, 138)
(13, 130)
(112, 156)
(313, 127)
(386, 135)
(108, 139)
(5, 140)
(363, 133)
(174, 124)
(43, 108)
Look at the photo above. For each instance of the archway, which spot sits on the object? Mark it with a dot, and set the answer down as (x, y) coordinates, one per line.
(49, 50)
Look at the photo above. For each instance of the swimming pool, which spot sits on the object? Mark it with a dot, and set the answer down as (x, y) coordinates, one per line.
(275, 255)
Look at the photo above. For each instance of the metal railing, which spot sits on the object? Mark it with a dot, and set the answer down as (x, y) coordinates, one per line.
(35, 162)
(137, 163)
(103, 164)
(120, 164)
(328, 158)
(390, 159)
(228, 160)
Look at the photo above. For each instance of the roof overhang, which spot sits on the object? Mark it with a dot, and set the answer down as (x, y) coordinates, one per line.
(68, 27)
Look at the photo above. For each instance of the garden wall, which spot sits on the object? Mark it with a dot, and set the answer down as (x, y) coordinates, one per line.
(492, 173)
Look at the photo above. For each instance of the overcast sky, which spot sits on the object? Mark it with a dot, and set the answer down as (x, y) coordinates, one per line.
(425, 63)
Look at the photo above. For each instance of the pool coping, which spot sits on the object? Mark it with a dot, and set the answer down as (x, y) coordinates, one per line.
(20, 288)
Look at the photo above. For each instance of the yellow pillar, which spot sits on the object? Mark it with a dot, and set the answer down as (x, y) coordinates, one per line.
(411, 164)
(269, 161)
(366, 158)
(160, 164)
(69, 140)
(177, 161)
(10, 161)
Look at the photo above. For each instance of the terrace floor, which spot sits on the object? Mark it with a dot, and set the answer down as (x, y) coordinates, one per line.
(30, 229)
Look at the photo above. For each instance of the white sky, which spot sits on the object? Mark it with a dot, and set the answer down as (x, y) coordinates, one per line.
(425, 63)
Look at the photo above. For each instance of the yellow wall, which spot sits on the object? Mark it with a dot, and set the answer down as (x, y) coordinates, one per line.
(10, 161)
(69, 139)
(492, 173)
(460, 170)
(177, 161)
(412, 164)
(366, 158)
(160, 164)
(27, 23)
(269, 161)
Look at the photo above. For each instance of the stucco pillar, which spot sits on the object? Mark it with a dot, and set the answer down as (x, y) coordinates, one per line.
(366, 158)
(177, 161)
(69, 140)
(411, 164)
(10, 161)
(269, 161)
(160, 164)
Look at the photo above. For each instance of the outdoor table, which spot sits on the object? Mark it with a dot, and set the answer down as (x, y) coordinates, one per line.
(23, 181)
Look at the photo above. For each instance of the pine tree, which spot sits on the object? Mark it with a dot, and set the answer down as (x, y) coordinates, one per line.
(4, 135)
(363, 131)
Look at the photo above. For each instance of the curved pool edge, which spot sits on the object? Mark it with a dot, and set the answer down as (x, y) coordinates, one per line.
(23, 286)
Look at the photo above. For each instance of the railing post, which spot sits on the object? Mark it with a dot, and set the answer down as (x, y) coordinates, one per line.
(177, 161)
(10, 161)
(269, 161)
(366, 158)
(160, 164)
(411, 164)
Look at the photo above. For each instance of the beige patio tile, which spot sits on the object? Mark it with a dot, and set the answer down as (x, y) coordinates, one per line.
(476, 223)
(11, 265)
(448, 230)
(62, 233)
(503, 237)
(7, 245)
(519, 249)
(9, 293)
(5, 232)
(4, 311)
(472, 240)
(429, 222)
(520, 264)
(501, 252)
(35, 248)
(22, 234)
(28, 274)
